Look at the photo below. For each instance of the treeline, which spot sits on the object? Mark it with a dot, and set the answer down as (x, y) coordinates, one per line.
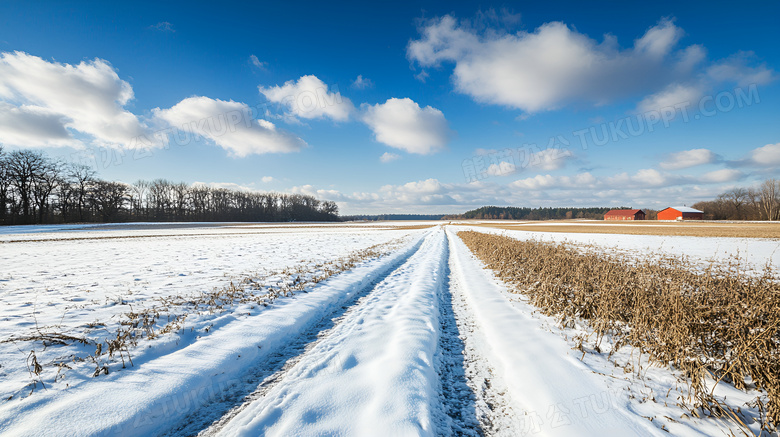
(383, 217)
(515, 213)
(761, 203)
(35, 189)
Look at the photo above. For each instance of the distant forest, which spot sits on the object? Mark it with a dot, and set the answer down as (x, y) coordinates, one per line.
(515, 213)
(35, 189)
(382, 217)
(761, 203)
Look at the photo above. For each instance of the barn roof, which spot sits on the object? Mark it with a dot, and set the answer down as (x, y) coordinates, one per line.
(623, 212)
(684, 209)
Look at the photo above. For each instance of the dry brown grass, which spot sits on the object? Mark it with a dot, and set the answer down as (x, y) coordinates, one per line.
(721, 323)
(689, 229)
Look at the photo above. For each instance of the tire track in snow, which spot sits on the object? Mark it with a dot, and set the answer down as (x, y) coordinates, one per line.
(458, 397)
(475, 406)
(372, 373)
(208, 419)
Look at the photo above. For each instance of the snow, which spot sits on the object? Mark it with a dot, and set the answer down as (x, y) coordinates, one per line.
(374, 372)
(423, 340)
(150, 397)
(545, 382)
(554, 389)
(684, 209)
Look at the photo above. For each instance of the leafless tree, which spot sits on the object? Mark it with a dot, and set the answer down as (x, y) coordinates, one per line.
(108, 199)
(5, 185)
(737, 199)
(769, 198)
(81, 176)
(24, 166)
(46, 181)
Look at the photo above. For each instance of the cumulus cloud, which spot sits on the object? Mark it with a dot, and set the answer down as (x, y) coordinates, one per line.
(229, 125)
(768, 155)
(550, 159)
(47, 102)
(268, 179)
(582, 181)
(309, 98)
(738, 69)
(722, 175)
(582, 189)
(26, 126)
(403, 124)
(555, 65)
(362, 83)
(689, 158)
(674, 94)
(389, 157)
(502, 168)
(644, 179)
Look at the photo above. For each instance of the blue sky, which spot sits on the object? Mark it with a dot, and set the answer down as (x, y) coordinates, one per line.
(457, 106)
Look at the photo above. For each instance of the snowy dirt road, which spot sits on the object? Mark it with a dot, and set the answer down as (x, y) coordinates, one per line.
(424, 341)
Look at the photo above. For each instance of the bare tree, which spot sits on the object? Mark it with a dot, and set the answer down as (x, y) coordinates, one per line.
(81, 176)
(181, 196)
(769, 199)
(5, 185)
(108, 198)
(737, 199)
(24, 166)
(46, 181)
(35, 189)
(138, 195)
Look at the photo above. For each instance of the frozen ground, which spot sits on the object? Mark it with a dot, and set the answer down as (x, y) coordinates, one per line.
(414, 339)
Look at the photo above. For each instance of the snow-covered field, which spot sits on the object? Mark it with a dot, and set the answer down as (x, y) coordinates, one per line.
(416, 338)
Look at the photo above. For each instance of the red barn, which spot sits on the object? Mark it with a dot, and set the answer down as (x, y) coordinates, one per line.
(625, 214)
(680, 213)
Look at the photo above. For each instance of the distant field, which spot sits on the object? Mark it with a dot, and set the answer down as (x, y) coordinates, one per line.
(689, 229)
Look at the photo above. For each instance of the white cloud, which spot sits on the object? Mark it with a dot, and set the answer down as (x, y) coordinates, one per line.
(550, 159)
(502, 168)
(402, 124)
(555, 65)
(362, 83)
(766, 155)
(537, 182)
(736, 69)
(309, 98)
(257, 63)
(643, 179)
(268, 179)
(722, 175)
(389, 157)
(51, 98)
(33, 127)
(649, 177)
(673, 95)
(689, 158)
(229, 125)
(583, 189)
(581, 181)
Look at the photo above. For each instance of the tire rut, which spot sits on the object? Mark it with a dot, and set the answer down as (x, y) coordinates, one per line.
(209, 418)
(470, 395)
